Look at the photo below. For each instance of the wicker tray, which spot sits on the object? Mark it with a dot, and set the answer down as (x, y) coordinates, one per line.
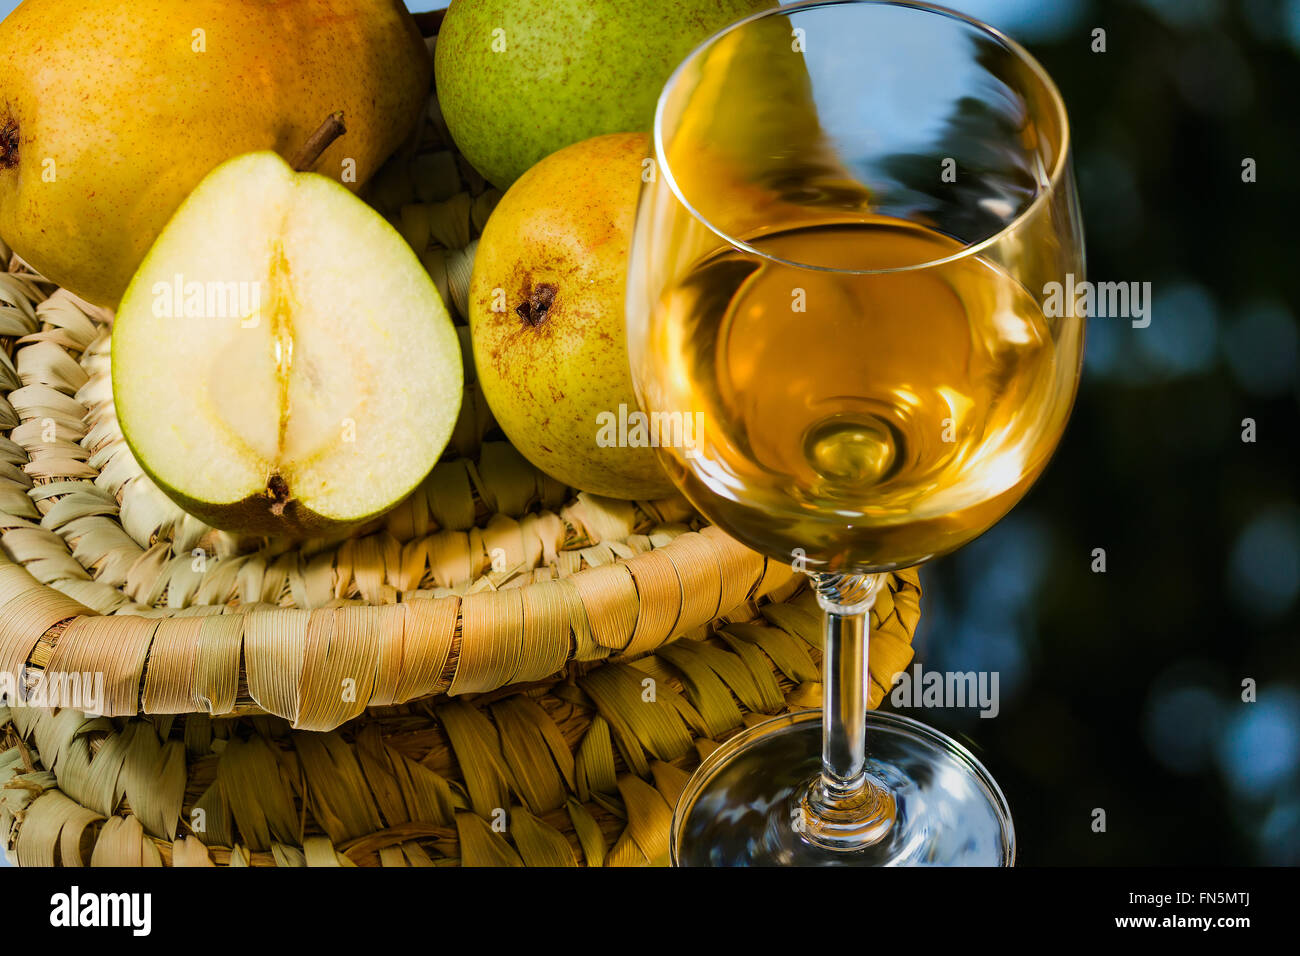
(522, 673)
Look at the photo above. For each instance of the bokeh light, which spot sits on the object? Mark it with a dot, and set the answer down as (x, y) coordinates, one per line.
(1259, 749)
(1264, 565)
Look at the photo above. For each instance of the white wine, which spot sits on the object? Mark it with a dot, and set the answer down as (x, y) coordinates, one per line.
(863, 419)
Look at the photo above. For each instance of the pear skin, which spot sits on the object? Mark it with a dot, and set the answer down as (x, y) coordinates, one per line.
(547, 316)
(112, 111)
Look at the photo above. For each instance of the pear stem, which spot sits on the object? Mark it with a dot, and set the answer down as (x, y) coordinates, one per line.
(329, 131)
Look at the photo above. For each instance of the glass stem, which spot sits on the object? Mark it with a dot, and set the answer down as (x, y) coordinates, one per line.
(845, 808)
(844, 702)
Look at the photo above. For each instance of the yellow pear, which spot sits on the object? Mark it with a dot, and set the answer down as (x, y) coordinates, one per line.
(547, 318)
(112, 111)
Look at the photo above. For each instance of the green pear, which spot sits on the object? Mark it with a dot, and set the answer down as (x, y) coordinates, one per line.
(282, 363)
(547, 317)
(112, 111)
(520, 79)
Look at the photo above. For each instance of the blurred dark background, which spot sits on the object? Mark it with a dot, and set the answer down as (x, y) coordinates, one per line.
(1123, 690)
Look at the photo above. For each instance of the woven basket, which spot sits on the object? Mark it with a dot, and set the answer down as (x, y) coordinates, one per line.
(500, 672)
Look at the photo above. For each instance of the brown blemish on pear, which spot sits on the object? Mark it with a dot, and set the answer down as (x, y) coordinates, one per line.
(537, 303)
(9, 143)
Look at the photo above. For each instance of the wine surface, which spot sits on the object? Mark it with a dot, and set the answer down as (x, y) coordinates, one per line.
(862, 421)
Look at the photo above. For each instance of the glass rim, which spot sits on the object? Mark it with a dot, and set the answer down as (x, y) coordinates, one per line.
(1054, 179)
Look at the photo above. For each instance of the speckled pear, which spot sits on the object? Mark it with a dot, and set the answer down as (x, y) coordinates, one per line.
(112, 111)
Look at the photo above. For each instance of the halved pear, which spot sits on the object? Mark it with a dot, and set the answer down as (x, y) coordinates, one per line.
(282, 363)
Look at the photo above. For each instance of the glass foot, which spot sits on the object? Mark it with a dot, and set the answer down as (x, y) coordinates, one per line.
(746, 805)
(847, 819)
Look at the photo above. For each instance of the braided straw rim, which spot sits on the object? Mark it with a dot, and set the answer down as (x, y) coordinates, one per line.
(585, 770)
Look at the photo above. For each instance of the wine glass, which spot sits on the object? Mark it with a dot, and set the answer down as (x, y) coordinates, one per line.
(850, 268)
